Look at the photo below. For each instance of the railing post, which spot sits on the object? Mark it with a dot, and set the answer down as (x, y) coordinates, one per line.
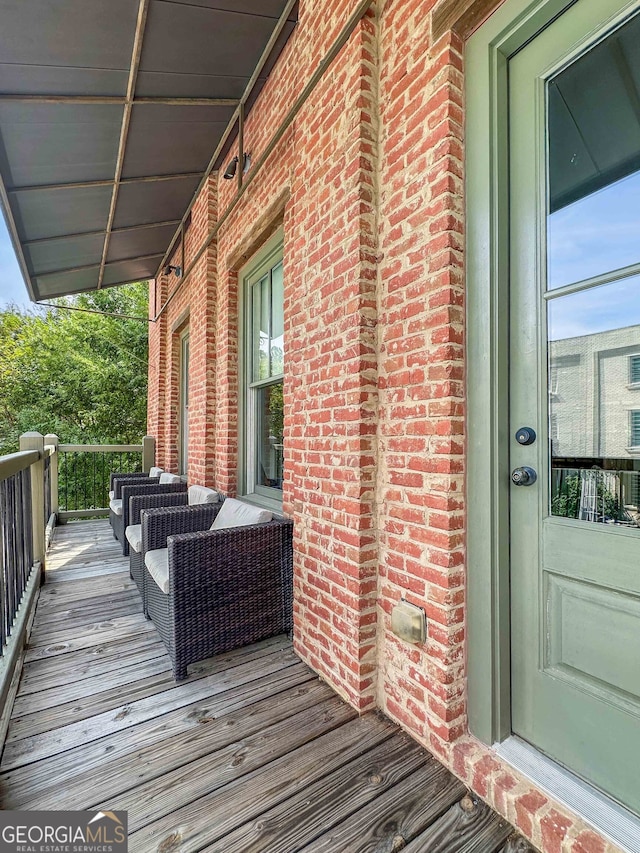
(148, 453)
(53, 440)
(35, 441)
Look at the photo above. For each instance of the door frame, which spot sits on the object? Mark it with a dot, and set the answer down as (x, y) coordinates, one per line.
(487, 55)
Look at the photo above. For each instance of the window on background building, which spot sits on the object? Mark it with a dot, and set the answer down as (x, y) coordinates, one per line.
(634, 428)
(634, 370)
(263, 415)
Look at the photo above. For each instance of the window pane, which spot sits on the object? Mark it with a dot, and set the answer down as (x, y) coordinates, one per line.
(594, 161)
(595, 235)
(594, 410)
(277, 320)
(270, 422)
(634, 370)
(260, 329)
(598, 309)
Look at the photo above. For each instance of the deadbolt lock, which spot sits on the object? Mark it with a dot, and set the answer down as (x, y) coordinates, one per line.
(523, 476)
(526, 435)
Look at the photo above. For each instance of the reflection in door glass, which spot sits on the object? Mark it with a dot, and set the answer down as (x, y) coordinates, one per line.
(594, 404)
(593, 230)
(594, 161)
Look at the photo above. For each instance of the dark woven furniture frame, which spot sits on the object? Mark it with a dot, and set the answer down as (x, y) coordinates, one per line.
(227, 588)
(138, 475)
(121, 522)
(136, 505)
(117, 480)
(158, 526)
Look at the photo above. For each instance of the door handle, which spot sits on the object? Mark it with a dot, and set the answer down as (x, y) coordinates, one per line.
(523, 476)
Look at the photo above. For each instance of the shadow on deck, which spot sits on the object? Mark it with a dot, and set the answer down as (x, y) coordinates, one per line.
(251, 754)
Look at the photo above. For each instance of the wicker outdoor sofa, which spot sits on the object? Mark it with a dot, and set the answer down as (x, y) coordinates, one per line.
(223, 589)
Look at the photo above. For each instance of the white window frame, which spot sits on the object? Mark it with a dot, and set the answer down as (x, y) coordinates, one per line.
(249, 488)
(633, 445)
(632, 383)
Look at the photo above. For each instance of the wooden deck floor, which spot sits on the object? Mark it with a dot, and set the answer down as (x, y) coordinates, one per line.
(251, 754)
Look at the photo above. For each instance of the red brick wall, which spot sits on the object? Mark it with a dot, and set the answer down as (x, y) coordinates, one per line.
(320, 184)
(421, 372)
(192, 309)
(367, 185)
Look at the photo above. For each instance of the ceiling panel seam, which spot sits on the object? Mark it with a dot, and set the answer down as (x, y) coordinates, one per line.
(80, 185)
(143, 9)
(95, 266)
(162, 224)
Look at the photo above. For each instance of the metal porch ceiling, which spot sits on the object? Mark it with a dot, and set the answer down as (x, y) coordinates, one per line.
(110, 111)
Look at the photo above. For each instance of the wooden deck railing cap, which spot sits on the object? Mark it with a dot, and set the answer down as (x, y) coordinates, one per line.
(12, 463)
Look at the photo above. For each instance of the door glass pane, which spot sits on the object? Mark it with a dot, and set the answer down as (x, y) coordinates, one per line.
(594, 404)
(593, 229)
(594, 161)
(270, 422)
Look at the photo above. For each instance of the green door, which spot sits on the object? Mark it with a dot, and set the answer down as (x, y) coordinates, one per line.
(574, 117)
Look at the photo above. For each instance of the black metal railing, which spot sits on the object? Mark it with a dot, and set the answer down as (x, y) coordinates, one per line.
(44, 483)
(16, 540)
(83, 476)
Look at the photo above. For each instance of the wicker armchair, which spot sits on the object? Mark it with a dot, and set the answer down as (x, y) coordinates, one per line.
(122, 475)
(117, 481)
(226, 588)
(136, 504)
(195, 497)
(126, 475)
(121, 520)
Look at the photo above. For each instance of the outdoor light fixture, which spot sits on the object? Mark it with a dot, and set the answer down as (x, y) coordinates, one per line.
(230, 171)
(232, 168)
(171, 268)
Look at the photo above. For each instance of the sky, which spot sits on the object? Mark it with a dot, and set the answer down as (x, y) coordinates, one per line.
(12, 287)
(595, 235)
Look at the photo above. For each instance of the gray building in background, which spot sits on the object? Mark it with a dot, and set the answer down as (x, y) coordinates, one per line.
(594, 426)
(594, 396)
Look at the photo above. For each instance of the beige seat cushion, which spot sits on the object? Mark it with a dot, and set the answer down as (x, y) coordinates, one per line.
(158, 564)
(238, 514)
(155, 472)
(134, 536)
(170, 478)
(112, 495)
(202, 495)
(116, 506)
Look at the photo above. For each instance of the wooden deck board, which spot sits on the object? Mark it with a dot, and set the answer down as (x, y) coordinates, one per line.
(396, 816)
(467, 827)
(251, 753)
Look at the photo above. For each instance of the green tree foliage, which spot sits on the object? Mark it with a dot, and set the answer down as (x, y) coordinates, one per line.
(565, 501)
(82, 376)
